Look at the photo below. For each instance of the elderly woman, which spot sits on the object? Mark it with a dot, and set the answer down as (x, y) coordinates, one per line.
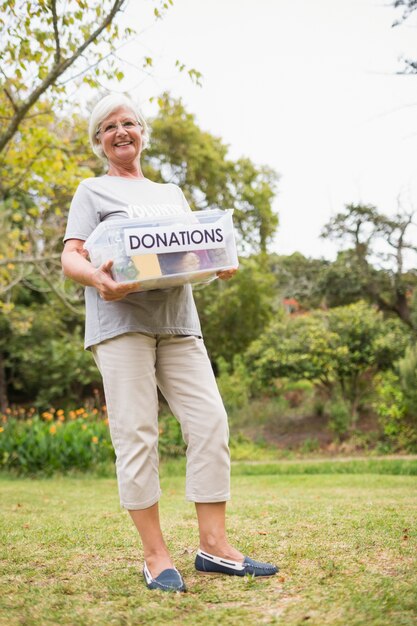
(142, 341)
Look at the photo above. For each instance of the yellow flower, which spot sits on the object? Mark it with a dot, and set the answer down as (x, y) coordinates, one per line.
(1, 429)
(60, 412)
(106, 421)
(84, 426)
(73, 415)
(47, 416)
(94, 439)
(52, 429)
(61, 418)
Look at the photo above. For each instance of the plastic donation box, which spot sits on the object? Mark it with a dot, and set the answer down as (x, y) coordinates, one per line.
(168, 251)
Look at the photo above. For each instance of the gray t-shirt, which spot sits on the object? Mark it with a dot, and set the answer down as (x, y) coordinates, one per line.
(161, 311)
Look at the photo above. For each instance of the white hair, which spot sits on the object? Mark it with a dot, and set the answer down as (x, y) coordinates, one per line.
(103, 109)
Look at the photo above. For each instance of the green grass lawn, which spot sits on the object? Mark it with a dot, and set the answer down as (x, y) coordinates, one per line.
(346, 545)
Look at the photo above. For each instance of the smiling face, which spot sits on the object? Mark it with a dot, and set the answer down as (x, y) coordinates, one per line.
(120, 135)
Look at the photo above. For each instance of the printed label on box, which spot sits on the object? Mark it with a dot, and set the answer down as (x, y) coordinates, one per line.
(179, 238)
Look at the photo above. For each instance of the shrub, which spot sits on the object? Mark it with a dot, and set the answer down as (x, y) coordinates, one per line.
(62, 441)
(339, 417)
(407, 368)
(54, 441)
(234, 383)
(310, 445)
(171, 443)
(44, 359)
(395, 412)
(339, 350)
(295, 392)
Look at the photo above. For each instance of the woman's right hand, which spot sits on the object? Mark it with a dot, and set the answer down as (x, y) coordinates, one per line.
(108, 289)
(77, 266)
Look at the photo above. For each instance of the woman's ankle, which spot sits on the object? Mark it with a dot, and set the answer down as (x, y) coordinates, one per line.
(221, 549)
(158, 561)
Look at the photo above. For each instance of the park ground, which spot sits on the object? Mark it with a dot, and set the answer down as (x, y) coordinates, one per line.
(345, 543)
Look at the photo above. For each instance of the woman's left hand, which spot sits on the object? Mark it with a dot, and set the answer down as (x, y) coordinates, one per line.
(227, 274)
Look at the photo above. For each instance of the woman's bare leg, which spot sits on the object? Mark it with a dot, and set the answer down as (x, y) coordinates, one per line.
(154, 548)
(212, 527)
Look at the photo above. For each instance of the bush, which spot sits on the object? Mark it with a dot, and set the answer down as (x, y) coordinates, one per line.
(407, 368)
(338, 350)
(44, 359)
(395, 413)
(234, 383)
(340, 417)
(171, 443)
(54, 441)
(296, 392)
(62, 441)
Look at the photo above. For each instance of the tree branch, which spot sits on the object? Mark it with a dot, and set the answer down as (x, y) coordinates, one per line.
(10, 97)
(18, 181)
(29, 259)
(56, 291)
(57, 56)
(14, 282)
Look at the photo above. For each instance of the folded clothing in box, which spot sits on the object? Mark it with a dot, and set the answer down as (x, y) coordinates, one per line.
(166, 251)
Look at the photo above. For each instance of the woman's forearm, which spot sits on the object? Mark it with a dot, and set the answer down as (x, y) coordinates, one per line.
(77, 267)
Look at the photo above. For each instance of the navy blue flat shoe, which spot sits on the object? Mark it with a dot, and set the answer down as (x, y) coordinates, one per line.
(208, 564)
(168, 580)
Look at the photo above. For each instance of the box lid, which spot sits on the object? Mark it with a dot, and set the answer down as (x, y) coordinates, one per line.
(205, 216)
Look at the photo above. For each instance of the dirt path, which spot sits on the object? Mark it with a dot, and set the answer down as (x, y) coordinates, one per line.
(338, 459)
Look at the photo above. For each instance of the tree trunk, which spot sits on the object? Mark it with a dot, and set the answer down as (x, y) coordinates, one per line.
(402, 308)
(4, 401)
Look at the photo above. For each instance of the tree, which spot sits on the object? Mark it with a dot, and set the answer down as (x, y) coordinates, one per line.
(396, 401)
(234, 313)
(181, 152)
(38, 176)
(408, 6)
(340, 349)
(297, 276)
(37, 181)
(370, 236)
(43, 40)
(44, 357)
(342, 282)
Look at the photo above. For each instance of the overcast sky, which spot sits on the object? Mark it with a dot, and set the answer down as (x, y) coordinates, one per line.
(308, 88)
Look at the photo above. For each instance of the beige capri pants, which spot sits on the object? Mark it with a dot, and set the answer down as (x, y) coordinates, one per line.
(133, 365)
